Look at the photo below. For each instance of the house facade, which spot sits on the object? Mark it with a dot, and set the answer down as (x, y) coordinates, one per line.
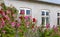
(44, 12)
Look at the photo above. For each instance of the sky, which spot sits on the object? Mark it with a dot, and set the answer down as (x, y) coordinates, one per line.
(53, 1)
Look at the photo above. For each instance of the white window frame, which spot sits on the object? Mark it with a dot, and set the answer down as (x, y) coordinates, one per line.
(45, 16)
(23, 8)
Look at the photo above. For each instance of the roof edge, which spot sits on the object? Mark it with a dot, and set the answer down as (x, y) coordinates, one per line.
(40, 2)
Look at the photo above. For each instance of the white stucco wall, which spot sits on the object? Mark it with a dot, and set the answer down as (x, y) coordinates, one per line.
(36, 10)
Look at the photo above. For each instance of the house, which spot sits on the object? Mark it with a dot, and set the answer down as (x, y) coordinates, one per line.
(44, 12)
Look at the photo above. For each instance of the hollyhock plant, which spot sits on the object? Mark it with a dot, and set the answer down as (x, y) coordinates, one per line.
(8, 11)
(18, 24)
(13, 24)
(14, 15)
(1, 26)
(27, 23)
(26, 17)
(4, 31)
(30, 17)
(36, 26)
(21, 17)
(6, 16)
(33, 29)
(7, 22)
(47, 25)
(34, 19)
(3, 22)
(2, 13)
(32, 26)
(55, 28)
(0, 18)
(20, 30)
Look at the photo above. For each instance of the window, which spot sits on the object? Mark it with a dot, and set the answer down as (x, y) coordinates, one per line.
(47, 13)
(43, 20)
(43, 13)
(21, 11)
(58, 18)
(47, 20)
(27, 11)
(58, 14)
(45, 17)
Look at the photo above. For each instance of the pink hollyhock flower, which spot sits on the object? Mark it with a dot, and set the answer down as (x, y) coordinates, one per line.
(27, 24)
(6, 16)
(26, 17)
(3, 22)
(18, 24)
(55, 28)
(47, 25)
(13, 24)
(4, 31)
(2, 13)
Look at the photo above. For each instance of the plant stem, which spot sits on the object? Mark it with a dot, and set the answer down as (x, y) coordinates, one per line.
(1, 32)
(16, 33)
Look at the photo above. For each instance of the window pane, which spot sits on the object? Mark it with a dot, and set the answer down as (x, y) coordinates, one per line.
(47, 20)
(58, 21)
(22, 11)
(47, 13)
(43, 21)
(58, 14)
(43, 13)
(28, 12)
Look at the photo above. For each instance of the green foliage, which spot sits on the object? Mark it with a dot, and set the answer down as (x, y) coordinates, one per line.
(3, 7)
